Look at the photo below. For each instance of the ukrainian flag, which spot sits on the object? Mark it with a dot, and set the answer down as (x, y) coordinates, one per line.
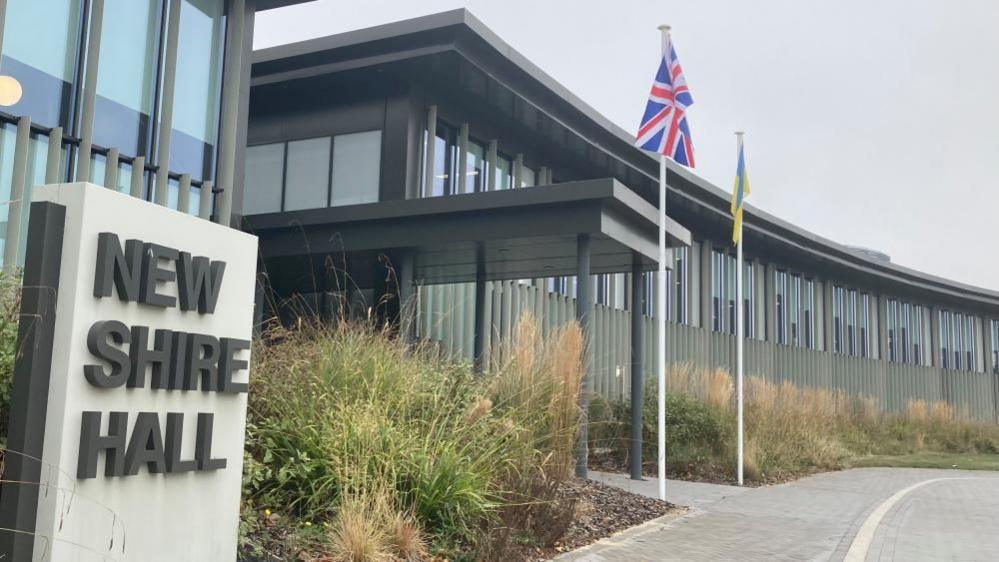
(739, 192)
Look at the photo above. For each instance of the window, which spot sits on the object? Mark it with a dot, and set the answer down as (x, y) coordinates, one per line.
(263, 182)
(723, 292)
(995, 346)
(864, 331)
(45, 66)
(851, 322)
(748, 300)
(126, 77)
(527, 177)
(306, 179)
(445, 160)
(356, 168)
(565, 286)
(808, 315)
(892, 328)
(780, 302)
(198, 88)
(680, 259)
(793, 309)
(838, 319)
(503, 171)
(944, 320)
(916, 331)
(959, 341)
(475, 167)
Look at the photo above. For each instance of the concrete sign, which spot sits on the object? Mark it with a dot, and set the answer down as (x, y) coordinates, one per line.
(145, 406)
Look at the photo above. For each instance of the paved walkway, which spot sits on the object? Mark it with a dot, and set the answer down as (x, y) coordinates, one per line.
(859, 515)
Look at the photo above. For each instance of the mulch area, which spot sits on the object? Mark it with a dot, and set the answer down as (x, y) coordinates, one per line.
(601, 511)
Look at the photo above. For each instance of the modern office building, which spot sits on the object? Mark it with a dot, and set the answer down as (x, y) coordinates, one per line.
(144, 96)
(433, 147)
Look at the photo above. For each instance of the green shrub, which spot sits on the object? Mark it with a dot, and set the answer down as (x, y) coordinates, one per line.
(350, 414)
(10, 308)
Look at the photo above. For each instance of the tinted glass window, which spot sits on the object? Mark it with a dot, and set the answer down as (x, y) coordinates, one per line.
(356, 163)
(262, 183)
(45, 66)
(126, 77)
(307, 174)
(198, 87)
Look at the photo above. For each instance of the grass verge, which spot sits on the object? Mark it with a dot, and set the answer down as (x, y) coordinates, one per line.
(790, 430)
(979, 461)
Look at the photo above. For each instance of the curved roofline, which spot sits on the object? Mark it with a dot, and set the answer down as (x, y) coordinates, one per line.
(756, 219)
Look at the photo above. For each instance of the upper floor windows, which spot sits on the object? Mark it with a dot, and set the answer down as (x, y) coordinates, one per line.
(132, 54)
(723, 294)
(45, 66)
(794, 302)
(958, 341)
(312, 173)
(486, 168)
(851, 322)
(905, 332)
(994, 325)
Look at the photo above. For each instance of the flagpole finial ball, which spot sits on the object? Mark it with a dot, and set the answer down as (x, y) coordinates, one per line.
(739, 133)
(664, 27)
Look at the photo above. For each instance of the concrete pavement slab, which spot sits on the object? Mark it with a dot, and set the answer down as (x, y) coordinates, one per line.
(816, 519)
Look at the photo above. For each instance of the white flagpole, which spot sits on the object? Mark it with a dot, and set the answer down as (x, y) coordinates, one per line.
(661, 312)
(739, 336)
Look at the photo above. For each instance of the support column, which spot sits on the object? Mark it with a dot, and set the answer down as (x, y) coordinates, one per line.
(542, 178)
(882, 335)
(53, 163)
(431, 152)
(233, 79)
(707, 310)
(205, 202)
(166, 105)
(184, 195)
(584, 313)
(111, 170)
(492, 155)
(518, 170)
(90, 91)
(16, 205)
(770, 284)
(407, 300)
(935, 337)
(461, 174)
(829, 321)
(138, 176)
(481, 328)
(637, 365)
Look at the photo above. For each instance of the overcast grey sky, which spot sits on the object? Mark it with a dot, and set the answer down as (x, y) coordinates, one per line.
(873, 123)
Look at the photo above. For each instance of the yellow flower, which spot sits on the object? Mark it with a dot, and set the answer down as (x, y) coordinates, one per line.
(267, 513)
(308, 523)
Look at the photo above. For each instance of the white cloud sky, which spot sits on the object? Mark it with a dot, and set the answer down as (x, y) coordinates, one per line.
(874, 123)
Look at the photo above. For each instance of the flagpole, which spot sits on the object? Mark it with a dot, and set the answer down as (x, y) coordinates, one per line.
(740, 328)
(661, 312)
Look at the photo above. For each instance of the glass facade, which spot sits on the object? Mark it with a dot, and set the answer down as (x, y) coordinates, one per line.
(724, 314)
(313, 173)
(198, 87)
(959, 336)
(45, 48)
(356, 165)
(794, 309)
(906, 324)
(47, 69)
(126, 77)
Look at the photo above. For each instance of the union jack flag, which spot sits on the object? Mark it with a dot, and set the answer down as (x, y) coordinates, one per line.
(664, 126)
